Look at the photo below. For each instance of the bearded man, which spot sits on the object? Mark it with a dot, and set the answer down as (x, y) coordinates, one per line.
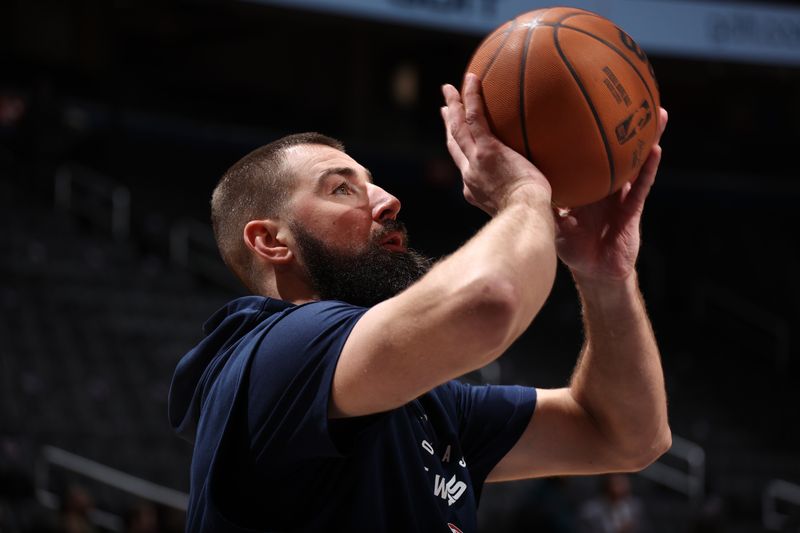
(328, 401)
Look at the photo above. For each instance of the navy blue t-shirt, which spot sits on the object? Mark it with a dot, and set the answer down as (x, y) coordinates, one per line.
(254, 397)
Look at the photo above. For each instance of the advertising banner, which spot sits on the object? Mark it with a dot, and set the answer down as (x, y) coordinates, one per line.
(748, 32)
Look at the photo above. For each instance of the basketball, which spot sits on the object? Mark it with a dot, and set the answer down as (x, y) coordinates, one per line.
(573, 93)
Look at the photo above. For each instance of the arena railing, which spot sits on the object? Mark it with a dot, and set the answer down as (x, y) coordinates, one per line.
(52, 456)
(689, 482)
(777, 494)
(682, 468)
(102, 201)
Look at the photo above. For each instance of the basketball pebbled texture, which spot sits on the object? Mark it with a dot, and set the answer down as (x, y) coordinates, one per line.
(573, 93)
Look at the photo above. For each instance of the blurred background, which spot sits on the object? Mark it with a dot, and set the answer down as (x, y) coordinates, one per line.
(118, 117)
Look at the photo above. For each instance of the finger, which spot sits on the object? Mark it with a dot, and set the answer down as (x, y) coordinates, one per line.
(475, 110)
(472, 200)
(624, 191)
(561, 214)
(468, 195)
(565, 224)
(452, 146)
(456, 120)
(451, 96)
(640, 188)
(663, 118)
(456, 153)
(662, 125)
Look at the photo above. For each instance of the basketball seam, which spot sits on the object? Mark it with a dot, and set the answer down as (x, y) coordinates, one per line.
(586, 97)
(607, 43)
(499, 49)
(619, 53)
(523, 65)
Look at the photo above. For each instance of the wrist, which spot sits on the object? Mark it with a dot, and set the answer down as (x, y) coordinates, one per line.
(607, 291)
(532, 194)
(612, 309)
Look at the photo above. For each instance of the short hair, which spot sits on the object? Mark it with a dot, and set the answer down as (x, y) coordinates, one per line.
(257, 186)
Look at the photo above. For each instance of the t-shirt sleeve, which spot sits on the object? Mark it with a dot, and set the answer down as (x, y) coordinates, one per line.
(290, 381)
(491, 420)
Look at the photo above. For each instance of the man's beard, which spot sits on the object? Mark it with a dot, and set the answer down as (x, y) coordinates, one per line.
(361, 278)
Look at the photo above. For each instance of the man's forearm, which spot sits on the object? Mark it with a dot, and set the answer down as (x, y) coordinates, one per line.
(618, 379)
(517, 249)
(519, 245)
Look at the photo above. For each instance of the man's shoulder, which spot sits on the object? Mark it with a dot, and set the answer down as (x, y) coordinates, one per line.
(300, 338)
(325, 310)
(292, 321)
(296, 323)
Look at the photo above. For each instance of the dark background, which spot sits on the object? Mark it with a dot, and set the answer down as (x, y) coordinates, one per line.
(162, 97)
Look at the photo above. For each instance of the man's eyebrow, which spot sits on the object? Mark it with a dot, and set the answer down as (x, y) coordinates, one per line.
(343, 171)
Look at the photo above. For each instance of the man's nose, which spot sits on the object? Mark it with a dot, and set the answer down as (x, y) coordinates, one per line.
(384, 205)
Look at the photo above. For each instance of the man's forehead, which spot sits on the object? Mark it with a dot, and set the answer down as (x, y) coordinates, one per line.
(311, 160)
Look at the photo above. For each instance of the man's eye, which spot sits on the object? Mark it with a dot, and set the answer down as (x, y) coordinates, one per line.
(342, 189)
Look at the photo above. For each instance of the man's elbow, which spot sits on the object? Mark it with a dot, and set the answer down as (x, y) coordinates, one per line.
(648, 452)
(494, 307)
(503, 309)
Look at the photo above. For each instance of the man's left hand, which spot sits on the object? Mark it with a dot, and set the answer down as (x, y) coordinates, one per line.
(600, 241)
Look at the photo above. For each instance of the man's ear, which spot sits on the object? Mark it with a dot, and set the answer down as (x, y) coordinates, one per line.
(266, 240)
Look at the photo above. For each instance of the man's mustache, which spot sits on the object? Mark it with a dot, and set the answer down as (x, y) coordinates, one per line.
(390, 226)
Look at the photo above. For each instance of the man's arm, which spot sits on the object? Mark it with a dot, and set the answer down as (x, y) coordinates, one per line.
(613, 416)
(472, 305)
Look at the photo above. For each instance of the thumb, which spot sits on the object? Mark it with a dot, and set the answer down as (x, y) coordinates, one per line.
(565, 222)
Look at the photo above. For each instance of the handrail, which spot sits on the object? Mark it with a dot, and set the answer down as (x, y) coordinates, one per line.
(775, 491)
(108, 521)
(191, 243)
(74, 184)
(690, 482)
(108, 476)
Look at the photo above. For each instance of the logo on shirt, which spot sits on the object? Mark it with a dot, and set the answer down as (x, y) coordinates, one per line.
(447, 489)
(453, 528)
(451, 491)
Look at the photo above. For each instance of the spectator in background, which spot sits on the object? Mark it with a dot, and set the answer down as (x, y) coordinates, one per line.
(170, 520)
(615, 510)
(142, 518)
(710, 518)
(75, 508)
(12, 110)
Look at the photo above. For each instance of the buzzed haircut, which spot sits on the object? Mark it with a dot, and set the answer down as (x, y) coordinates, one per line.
(258, 186)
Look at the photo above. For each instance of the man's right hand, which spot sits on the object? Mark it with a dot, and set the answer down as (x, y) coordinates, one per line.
(492, 172)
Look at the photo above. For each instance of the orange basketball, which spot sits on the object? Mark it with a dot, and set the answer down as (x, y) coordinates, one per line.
(574, 94)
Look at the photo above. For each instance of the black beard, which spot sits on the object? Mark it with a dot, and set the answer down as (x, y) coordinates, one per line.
(363, 278)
